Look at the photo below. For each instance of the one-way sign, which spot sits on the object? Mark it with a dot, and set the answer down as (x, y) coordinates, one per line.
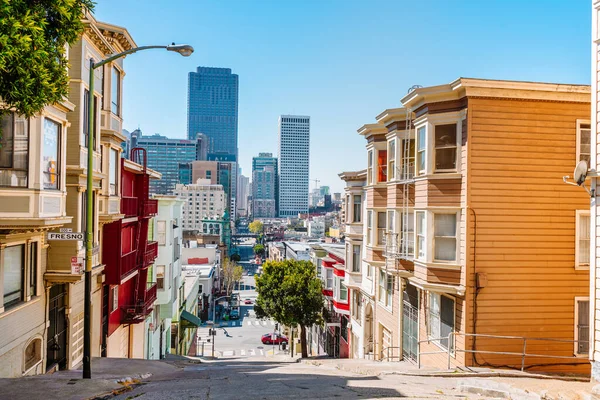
(66, 236)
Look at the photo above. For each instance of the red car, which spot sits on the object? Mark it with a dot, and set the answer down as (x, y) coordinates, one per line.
(273, 338)
(247, 301)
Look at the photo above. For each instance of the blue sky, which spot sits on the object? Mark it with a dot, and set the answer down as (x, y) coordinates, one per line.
(340, 61)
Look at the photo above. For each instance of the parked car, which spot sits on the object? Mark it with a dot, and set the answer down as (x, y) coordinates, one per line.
(248, 301)
(273, 338)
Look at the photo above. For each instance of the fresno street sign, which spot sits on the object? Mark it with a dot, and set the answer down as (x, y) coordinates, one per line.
(66, 236)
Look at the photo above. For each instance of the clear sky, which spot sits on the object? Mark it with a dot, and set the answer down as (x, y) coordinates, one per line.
(340, 61)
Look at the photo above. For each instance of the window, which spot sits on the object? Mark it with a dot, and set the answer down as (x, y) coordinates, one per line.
(370, 168)
(389, 290)
(115, 298)
(382, 286)
(421, 148)
(392, 160)
(50, 161)
(421, 243)
(408, 232)
(444, 241)
(386, 286)
(33, 275)
(584, 141)
(382, 166)
(582, 327)
(357, 207)
(582, 239)
(14, 150)
(161, 232)
(160, 276)
(115, 92)
(357, 306)
(445, 147)
(381, 221)
(369, 226)
(86, 118)
(33, 354)
(329, 278)
(113, 172)
(13, 271)
(356, 258)
(441, 318)
(343, 295)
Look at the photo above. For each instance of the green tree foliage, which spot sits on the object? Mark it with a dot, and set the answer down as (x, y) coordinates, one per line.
(231, 274)
(291, 293)
(259, 249)
(33, 63)
(235, 257)
(255, 226)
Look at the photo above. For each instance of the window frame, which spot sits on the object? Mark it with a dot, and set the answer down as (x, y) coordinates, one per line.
(456, 238)
(421, 153)
(579, 128)
(115, 108)
(113, 173)
(576, 352)
(30, 272)
(435, 148)
(356, 258)
(578, 215)
(13, 117)
(355, 208)
(391, 159)
(370, 163)
(418, 235)
(58, 161)
(429, 322)
(381, 230)
(114, 304)
(369, 232)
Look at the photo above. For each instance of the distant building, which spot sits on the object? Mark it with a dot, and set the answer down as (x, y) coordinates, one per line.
(263, 192)
(203, 200)
(258, 164)
(243, 190)
(213, 108)
(165, 155)
(294, 151)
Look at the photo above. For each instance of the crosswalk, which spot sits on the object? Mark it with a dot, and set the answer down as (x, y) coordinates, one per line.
(247, 322)
(257, 322)
(244, 353)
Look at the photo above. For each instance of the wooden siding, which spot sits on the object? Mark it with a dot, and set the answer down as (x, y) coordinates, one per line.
(395, 194)
(518, 152)
(443, 192)
(376, 196)
(438, 275)
(374, 255)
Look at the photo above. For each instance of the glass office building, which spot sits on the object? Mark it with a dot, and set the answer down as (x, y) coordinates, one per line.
(213, 108)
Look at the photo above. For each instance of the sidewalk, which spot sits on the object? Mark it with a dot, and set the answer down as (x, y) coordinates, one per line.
(498, 383)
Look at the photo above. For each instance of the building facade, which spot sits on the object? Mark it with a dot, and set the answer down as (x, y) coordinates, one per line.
(33, 189)
(202, 201)
(293, 164)
(263, 192)
(243, 191)
(456, 246)
(165, 156)
(213, 108)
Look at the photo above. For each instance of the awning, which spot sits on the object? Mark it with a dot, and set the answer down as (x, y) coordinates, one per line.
(189, 320)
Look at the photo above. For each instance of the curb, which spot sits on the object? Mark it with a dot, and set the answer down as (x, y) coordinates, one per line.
(127, 384)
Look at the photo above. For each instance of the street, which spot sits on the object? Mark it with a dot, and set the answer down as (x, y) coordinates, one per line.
(239, 338)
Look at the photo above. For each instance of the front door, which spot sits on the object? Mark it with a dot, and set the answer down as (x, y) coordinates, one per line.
(410, 322)
(57, 330)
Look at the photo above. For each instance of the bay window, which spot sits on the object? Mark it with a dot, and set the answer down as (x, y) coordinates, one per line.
(445, 146)
(421, 242)
(444, 240)
(356, 261)
(14, 150)
(382, 166)
(357, 208)
(343, 291)
(421, 150)
(369, 227)
(115, 92)
(408, 232)
(391, 160)
(370, 167)
(19, 273)
(386, 286)
(50, 154)
(381, 228)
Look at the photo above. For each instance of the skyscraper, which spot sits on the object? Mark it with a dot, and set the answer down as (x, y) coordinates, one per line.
(213, 108)
(265, 160)
(294, 152)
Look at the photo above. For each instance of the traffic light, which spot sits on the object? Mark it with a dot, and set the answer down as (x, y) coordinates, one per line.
(277, 326)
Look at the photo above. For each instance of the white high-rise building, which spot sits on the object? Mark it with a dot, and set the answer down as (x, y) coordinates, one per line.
(243, 189)
(293, 164)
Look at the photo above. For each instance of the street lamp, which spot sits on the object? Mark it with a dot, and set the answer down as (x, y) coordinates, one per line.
(183, 49)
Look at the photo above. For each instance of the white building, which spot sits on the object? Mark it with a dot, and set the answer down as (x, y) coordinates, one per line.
(167, 274)
(293, 164)
(203, 200)
(243, 191)
(316, 227)
(296, 251)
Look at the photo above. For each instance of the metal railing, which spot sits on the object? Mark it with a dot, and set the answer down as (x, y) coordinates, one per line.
(371, 354)
(452, 350)
(393, 356)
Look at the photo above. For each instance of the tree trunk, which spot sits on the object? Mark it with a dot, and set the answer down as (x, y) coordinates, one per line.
(303, 345)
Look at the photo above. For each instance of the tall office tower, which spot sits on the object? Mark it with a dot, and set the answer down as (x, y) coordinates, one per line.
(294, 153)
(164, 156)
(243, 188)
(267, 160)
(263, 192)
(213, 108)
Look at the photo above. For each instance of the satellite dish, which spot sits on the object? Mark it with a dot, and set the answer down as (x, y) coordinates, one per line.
(580, 172)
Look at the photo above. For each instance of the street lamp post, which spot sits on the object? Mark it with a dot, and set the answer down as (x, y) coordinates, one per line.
(184, 50)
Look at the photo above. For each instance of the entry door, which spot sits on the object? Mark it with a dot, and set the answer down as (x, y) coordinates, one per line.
(57, 330)
(410, 322)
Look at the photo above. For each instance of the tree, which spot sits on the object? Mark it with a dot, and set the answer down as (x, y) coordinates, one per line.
(231, 274)
(259, 249)
(255, 226)
(235, 257)
(33, 63)
(291, 293)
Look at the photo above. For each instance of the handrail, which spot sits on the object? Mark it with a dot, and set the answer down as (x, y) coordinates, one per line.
(452, 350)
(387, 350)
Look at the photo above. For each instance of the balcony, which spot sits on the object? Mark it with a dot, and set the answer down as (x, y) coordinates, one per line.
(149, 208)
(151, 253)
(133, 314)
(129, 206)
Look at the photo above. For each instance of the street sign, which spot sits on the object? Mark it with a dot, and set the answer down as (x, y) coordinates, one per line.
(77, 265)
(66, 230)
(66, 236)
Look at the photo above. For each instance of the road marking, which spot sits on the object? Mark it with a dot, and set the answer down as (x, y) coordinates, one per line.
(272, 323)
(262, 353)
(243, 352)
(264, 323)
(257, 323)
(252, 352)
(249, 323)
(228, 353)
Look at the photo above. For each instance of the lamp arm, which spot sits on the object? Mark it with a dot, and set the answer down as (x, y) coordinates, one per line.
(125, 53)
